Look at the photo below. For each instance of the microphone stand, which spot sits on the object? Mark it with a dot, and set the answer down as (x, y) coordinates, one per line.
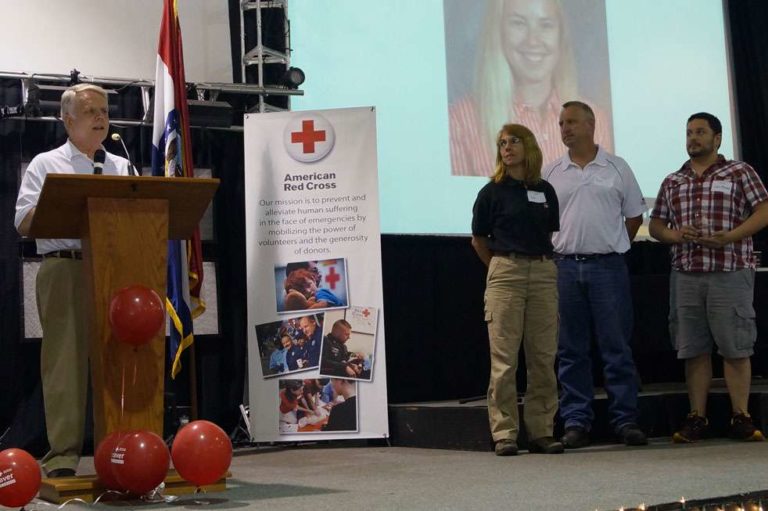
(132, 170)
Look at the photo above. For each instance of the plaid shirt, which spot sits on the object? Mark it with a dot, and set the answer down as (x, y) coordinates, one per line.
(720, 200)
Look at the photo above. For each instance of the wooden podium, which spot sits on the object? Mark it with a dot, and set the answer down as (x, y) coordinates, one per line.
(124, 224)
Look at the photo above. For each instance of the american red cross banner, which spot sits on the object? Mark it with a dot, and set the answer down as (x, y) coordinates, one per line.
(315, 309)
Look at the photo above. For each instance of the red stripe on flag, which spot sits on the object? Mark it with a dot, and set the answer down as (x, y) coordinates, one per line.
(170, 50)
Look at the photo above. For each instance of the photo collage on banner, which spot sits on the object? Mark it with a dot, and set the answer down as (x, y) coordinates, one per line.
(316, 339)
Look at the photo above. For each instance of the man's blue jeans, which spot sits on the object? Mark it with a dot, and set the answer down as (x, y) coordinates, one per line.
(595, 297)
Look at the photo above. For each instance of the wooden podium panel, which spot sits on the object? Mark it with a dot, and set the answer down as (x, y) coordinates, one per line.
(124, 243)
(187, 197)
(124, 223)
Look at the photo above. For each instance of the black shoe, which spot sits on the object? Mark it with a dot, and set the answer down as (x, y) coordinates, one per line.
(742, 428)
(545, 445)
(506, 447)
(631, 434)
(694, 429)
(61, 472)
(575, 437)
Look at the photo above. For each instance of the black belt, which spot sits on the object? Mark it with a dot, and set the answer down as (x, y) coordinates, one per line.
(64, 254)
(585, 257)
(518, 255)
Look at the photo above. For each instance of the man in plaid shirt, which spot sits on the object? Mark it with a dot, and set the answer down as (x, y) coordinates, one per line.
(708, 211)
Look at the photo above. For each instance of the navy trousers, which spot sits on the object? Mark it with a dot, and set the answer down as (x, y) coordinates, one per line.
(595, 298)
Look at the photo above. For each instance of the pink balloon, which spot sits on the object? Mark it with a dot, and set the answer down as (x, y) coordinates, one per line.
(201, 452)
(19, 478)
(136, 314)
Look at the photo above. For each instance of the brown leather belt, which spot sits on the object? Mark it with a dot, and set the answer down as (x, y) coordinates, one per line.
(64, 254)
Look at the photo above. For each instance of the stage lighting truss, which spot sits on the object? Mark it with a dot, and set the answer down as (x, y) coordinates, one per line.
(40, 95)
(266, 51)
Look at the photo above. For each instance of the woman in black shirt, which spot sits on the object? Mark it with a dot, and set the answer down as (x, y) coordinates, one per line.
(513, 220)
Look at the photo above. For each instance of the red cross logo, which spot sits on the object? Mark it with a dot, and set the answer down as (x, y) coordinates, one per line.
(332, 278)
(366, 313)
(307, 137)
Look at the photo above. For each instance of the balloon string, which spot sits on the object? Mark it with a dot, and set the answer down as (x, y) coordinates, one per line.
(70, 501)
(107, 493)
(135, 368)
(122, 395)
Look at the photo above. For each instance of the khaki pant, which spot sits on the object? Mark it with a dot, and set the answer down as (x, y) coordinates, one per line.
(63, 359)
(521, 308)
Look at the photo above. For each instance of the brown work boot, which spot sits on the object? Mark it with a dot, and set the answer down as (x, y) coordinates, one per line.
(506, 447)
(545, 445)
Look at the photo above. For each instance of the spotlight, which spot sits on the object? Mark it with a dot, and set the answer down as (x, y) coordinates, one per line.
(293, 77)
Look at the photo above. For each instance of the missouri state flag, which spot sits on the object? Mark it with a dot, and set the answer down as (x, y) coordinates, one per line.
(172, 157)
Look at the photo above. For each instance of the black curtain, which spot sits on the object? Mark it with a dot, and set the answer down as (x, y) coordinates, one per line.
(749, 56)
(436, 341)
(19, 360)
(222, 359)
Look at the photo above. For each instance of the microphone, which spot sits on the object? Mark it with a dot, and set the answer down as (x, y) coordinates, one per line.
(117, 138)
(98, 161)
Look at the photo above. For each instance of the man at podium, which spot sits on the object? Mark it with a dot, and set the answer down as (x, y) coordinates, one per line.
(60, 283)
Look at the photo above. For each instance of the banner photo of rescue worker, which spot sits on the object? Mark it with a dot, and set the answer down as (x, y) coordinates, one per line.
(290, 345)
(319, 405)
(311, 286)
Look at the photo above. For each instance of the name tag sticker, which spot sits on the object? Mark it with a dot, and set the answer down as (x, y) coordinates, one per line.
(537, 197)
(722, 186)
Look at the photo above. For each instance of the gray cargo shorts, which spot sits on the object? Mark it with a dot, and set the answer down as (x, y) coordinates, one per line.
(712, 307)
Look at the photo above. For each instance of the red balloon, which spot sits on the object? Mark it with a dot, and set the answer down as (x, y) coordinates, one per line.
(102, 460)
(140, 462)
(19, 478)
(136, 314)
(201, 452)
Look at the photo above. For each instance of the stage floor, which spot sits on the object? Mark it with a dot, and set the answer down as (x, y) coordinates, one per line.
(604, 477)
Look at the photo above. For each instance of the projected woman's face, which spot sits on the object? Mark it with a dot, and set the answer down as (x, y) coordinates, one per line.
(530, 34)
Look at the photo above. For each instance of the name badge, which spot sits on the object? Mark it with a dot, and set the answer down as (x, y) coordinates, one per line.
(722, 186)
(537, 197)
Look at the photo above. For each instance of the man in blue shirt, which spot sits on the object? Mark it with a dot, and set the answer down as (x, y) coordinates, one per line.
(296, 358)
(313, 336)
(277, 362)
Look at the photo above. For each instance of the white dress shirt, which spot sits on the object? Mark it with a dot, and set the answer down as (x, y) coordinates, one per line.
(66, 159)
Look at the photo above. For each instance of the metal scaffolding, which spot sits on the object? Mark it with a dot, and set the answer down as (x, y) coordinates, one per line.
(268, 61)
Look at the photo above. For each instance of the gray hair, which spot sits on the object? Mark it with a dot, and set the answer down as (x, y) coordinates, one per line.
(69, 95)
(581, 106)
